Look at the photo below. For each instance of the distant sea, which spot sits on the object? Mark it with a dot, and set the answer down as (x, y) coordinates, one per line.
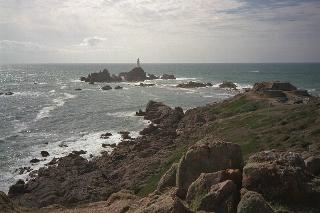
(47, 113)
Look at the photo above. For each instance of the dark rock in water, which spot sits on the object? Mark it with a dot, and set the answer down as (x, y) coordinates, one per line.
(63, 145)
(140, 113)
(118, 87)
(35, 160)
(6, 205)
(91, 82)
(228, 84)
(107, 87)
(146, 85)
(9, 93)
(44, 154)
(113, 145)
(103, 76)
(168, 76)
(209, 84)
(106, 135)
(253, 202)
(81, 152)
(82, 78)
(136, 74)
(77, 89)
(22, 170)
(125, 135)
(18, 188)
(1, 93)
(152, 77)
(191, 84)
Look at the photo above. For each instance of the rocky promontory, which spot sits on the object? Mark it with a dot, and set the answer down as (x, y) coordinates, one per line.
(136, 74)
(251, 153)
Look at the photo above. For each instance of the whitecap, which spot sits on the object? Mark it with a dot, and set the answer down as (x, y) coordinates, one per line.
(59, 102)
(121, 114)
(255, 71)
(185, 79)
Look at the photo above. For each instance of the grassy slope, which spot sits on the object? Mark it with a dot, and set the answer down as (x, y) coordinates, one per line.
(255, 125)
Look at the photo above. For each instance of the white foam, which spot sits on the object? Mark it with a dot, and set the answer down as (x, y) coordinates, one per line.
(63, 87)
(75, 81)
(185, 79)
(255, 71)
(58, 102)
(121, 114)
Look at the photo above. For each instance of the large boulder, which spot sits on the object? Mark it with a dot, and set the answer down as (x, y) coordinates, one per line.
(163, 115)
(205, 181)
(167, 202)
(206, 156)
(18, 188)
(313, 165)
(169, 178)
(253, 202)
(276, 175)
(220, 197)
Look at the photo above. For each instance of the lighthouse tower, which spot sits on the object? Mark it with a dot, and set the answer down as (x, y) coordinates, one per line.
(138, 62)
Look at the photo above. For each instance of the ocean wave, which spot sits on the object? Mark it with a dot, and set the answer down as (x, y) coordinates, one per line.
(255, 71)
(58, 102)
(121, 114)
(75, 81)
(185, 79)
(27, 93)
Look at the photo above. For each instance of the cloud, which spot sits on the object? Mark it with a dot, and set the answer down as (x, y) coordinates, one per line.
(118, 30)
(92, 41)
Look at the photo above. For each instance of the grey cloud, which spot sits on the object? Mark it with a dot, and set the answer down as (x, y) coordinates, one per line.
(92, 41)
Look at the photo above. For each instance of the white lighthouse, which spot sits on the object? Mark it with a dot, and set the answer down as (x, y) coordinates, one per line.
(138, 62)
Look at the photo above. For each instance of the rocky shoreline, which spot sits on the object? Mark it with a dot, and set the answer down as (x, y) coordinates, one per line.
(256, 152)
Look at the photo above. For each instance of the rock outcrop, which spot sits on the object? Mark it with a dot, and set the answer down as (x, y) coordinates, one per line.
(192, 84)
(136, 74)
(253, 202)
(168, 76)
(6, 205)
(228, 85)
(277, 176)
(204, 157)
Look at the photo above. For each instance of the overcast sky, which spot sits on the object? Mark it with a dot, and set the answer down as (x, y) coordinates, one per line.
(182, 31)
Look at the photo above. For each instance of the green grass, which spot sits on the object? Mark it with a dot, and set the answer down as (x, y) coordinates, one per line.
(152, 182)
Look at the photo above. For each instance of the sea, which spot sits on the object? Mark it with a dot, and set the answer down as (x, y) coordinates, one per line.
(46, 113)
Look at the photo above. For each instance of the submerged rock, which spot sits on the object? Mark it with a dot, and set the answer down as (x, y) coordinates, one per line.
(107, 87)
(140, 113)
(105, 135)
(146, 85)
(81, 152)
(118, 87)
(78, 89)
